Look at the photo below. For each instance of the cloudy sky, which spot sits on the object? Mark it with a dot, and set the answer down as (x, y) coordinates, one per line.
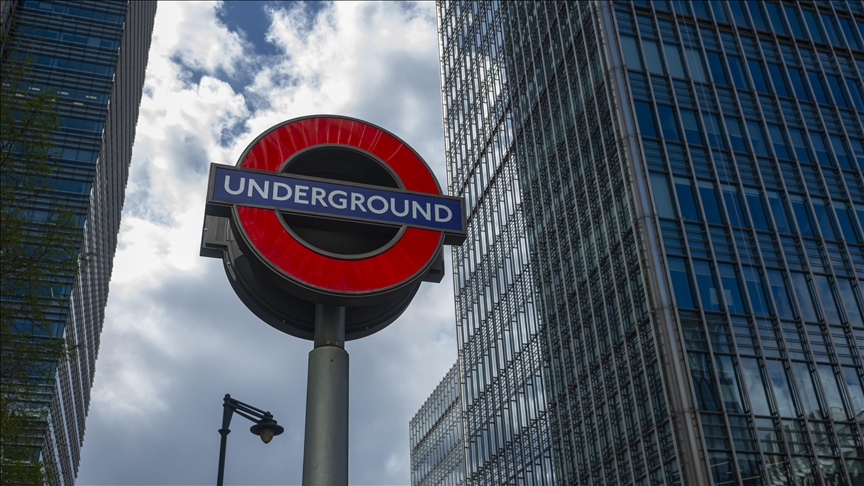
(176, 337)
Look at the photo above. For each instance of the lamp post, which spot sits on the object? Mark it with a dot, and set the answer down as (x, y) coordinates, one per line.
(265, 427)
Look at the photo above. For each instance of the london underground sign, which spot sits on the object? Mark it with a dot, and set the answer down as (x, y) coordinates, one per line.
(326, 228)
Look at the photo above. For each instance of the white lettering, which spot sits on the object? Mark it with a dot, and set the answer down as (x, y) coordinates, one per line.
(281, 185)
(300, 191)
(438, 218)
(238, 191)
(253, 184)
(393, 207)
(427, 215)
(340, 203)
(377, 198)
(318, 195)
(357, 202)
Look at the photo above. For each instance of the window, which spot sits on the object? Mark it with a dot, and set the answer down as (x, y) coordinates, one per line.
(731, 288)
(730, 390)
(778, 80)
(778, 139)
(800, 146)
(718, 72)
(826, 295)
(802, 215)
(757, 208)
(847, 224)
(841, 151)
(708, 194)
(668, 123)
(806, 391)
(686, 202)
(821, 151)
(833, 396)
(631, 52)
(707, 285)
(818, 87)
(756, 289)
(757, 137)
(662, 198)
(681, 283)
(691, 127)
(653, 59)
(706, 394)
(781, 294)
(758, 76)
(823, 217)
(836, 85)
(733, 206)
(798, 84)
(804, 295)
(779, 211)
(645, 115)
(694, 62)
(755, 386)
(673, 59)
(712, 129)
(851, 302)
(782, 390)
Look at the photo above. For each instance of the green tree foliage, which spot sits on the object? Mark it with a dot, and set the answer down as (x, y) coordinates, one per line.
(39, 243)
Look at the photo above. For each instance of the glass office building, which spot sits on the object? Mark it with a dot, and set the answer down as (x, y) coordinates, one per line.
(437, 451)
(661, 281)
(93, 54)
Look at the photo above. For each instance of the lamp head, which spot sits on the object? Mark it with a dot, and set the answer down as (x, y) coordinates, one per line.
(267, 428)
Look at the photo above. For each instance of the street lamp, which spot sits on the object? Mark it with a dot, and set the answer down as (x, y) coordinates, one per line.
(265, 427)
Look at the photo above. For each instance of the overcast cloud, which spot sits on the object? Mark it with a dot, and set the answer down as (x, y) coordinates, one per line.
(176, 337)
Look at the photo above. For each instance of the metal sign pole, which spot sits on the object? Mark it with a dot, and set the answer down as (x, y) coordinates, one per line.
(325, 447)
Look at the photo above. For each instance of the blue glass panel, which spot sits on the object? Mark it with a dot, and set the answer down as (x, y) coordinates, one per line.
(858, 149)
(851, 302)
(712, 129)
(719, 11)
(718, 72)
(849, 31)
(779, 81)
(830, 29)
(736, 134)
(836, 85)
(652, 57)
(795, 22)
(800, 145)
(731, 288)
(738, 15)
(781, 149)
(806, 391)
(707, 285)
(798, 84)
(813, 26)
(823, 217)
(691, 127)
(736, 69)
(668, 123)
(706, 393)
(776, 16)
(673, 59)
(780, 291)
(662, 197)
(856, 393)
(826, 296)
(841, 152)
(821, 151)
(699, 8)
(847, 222)
(804, 296)
(756, 289)
(818, 87)
(855, 91)
(631, 52)
(696, 65)
(757, 15)
(686, 203)
(802, 215)
(708, 194)
(730, 390)
(758, 76)
(782, 390)
(645, 115)
(833, 396)
(733, 206)
(779, 211)
(755, 386)
(681, 282)
(757, 208)
(757, 137)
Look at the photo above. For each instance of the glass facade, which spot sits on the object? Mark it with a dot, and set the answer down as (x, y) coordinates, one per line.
(93, 55)
(435, 433)
(661, 283)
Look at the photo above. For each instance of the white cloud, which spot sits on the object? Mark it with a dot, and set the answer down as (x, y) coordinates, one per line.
(176, 337)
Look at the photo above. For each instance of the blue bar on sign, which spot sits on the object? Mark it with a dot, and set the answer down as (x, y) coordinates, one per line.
(231, 185)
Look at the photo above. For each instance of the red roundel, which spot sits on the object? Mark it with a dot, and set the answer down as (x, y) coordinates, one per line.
(402, 261)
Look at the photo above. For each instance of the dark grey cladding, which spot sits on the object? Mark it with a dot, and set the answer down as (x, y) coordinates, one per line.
(94, 54)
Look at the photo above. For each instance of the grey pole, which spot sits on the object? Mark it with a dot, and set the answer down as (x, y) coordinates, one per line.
(325, 447)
